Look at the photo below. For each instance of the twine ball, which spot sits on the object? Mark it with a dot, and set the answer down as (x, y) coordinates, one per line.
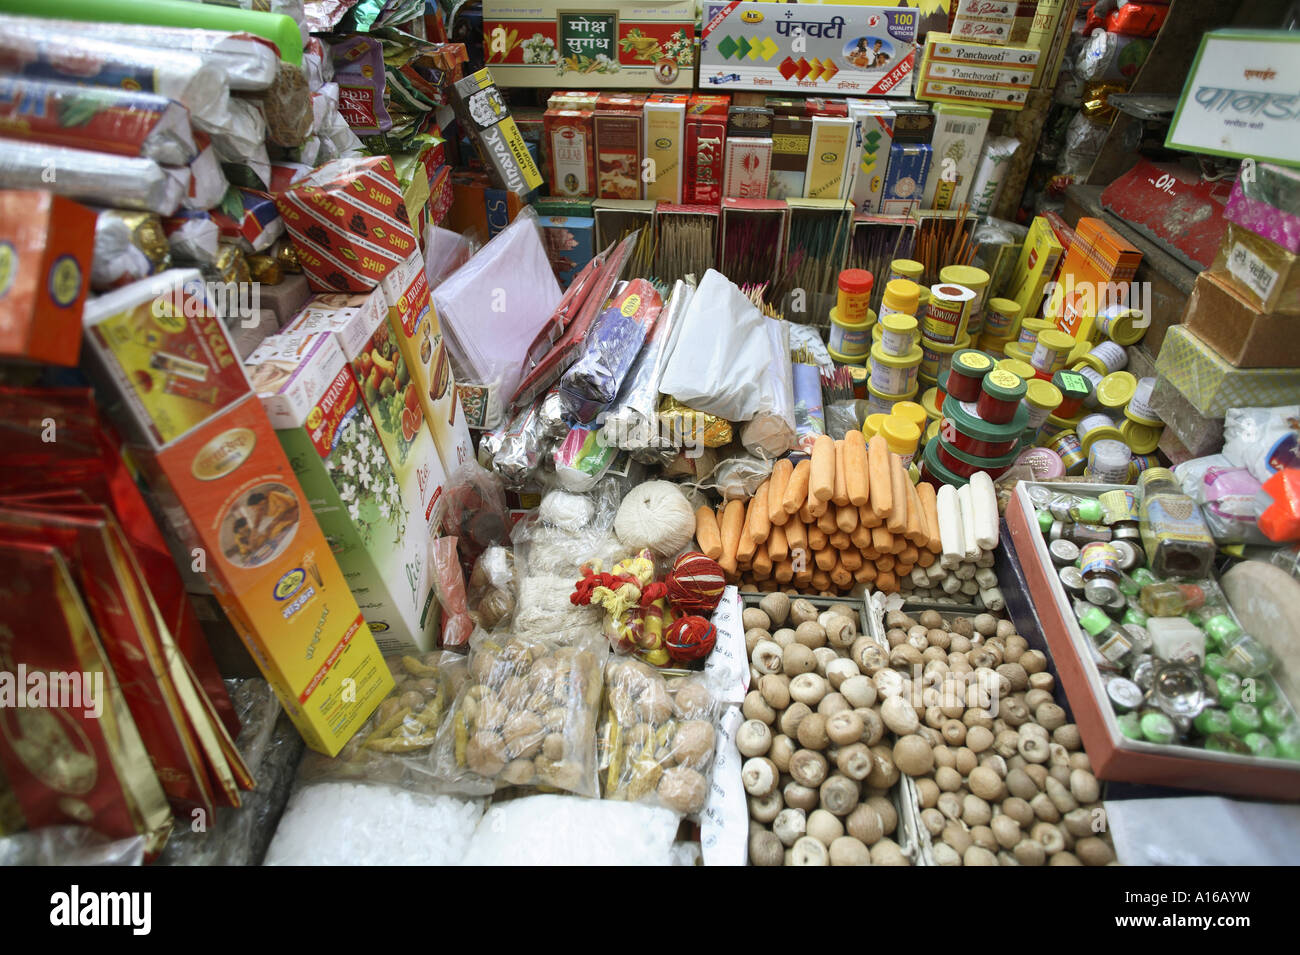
(695, 584)
(655, 515)
(570, 512)
(690, 638)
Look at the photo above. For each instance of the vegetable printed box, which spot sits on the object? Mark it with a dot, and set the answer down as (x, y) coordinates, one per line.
(315, 406)
(593, 43)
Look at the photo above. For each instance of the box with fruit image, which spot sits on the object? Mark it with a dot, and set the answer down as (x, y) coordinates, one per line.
(414, 323)
(314, 402)
(225, 486)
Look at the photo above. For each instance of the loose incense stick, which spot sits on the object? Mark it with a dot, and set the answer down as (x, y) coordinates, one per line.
(751, 247)
(816, 255)
(943, 240)
(686, 244)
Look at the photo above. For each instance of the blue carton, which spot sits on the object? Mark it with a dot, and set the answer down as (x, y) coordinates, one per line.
(909, 164)
(570, 244)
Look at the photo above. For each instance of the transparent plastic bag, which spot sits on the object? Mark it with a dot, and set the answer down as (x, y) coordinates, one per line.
(449, 585)
(491, 591)
(396, 745)
(526, 716)
(658, 736)
(69, 845)
(476, 511)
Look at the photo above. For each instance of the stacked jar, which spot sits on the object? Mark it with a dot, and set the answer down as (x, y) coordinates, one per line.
(894, 358)
(849, 340)
(977, 280)
(1001, 325)
(981, 434)
(943, 329)
(1142, 427)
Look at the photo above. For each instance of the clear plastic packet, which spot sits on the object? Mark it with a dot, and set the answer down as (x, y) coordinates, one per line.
(658, 736)
(841, 418)
(396, 745)
(582, 458)
(449, 585)
(95, 178)
(491, 590)
(69, 845)
(526, 716)
(737, 477)
(476, 511)
(287, 105)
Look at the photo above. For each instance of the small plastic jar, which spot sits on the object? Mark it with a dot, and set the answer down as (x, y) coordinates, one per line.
(1017, 367)
(853, 296)
(964, 465)
(908, 269)
(880, 403)
(936, 359)
(913, 412)
(901, 296)
(1139, 406)
(851, 341)
(932, 472)
(966, 374)
(1051, 350)
(1115, 392)
(946, 315)
(871, 426)
(1018, 351)
(1108, 462)
(1075, 389)
(1141, 438)
(1041, 398)
(1001, 318)
(977, 280)
(1106, 357)
(1030, 329)
(1096, 427)
(1123, 326)
(1066, 445)
(891, 374)
(967, 432)
(899, 334)
(930, 402)
(1045, 464)
(901, 435)
(1000, 396)
(1094, 379)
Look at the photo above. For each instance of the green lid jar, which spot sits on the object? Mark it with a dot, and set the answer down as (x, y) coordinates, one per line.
(1245, 719)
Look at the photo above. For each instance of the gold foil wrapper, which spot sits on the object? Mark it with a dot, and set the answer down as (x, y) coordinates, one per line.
(694, 427)
(286, 256)
(1096, 100)
(231, 264)
(265, 269)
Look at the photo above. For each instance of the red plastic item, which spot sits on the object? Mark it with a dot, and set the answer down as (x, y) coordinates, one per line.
(962, 469)
(1281, 519)
(977, 448)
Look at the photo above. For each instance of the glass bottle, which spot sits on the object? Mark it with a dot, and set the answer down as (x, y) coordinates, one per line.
(1067, 507)
(1247, 656)
(1168, 599)
(1110, 639)
(1175, 536)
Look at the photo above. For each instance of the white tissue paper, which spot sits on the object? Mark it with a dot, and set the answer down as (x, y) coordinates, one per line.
(732, 361)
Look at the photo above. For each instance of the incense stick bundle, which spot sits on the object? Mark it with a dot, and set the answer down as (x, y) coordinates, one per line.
(686, 244)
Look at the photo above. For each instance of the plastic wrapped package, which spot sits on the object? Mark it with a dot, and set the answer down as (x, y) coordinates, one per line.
(522, 443)
(737, 478)
(1280, 521)
(96, 178)
(526, 716)
(491, 590)
(732, 361)
(549, 830)
(582, 458)
(608, 351)
(128, 246)
(632, 422)
(359, 68)
(1262, 440)
(248, 62)
(373, 825)
(242, 142)
(1229, 496)
(272, 749)
(395, 746)
(449, 584)
(208, 182)
(494, 306)
(322, 16)
(93, 117)
(334, 140)
(658, 736)
(476, 511)
(1083, 141)
(69, 845)
(31, 47)
(287, 106)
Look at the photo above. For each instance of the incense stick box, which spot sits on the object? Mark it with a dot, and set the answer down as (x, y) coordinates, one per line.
(482, 112)
(619, 119)
(615, 218)
(706, 135)
(570, 141)
(570, 244)
(958, 137)
(830, 158)
(665, 135)
(909, 165)
(748, 167)
(874, 132)
(790, 138)
(752, 238)
(335, 451)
